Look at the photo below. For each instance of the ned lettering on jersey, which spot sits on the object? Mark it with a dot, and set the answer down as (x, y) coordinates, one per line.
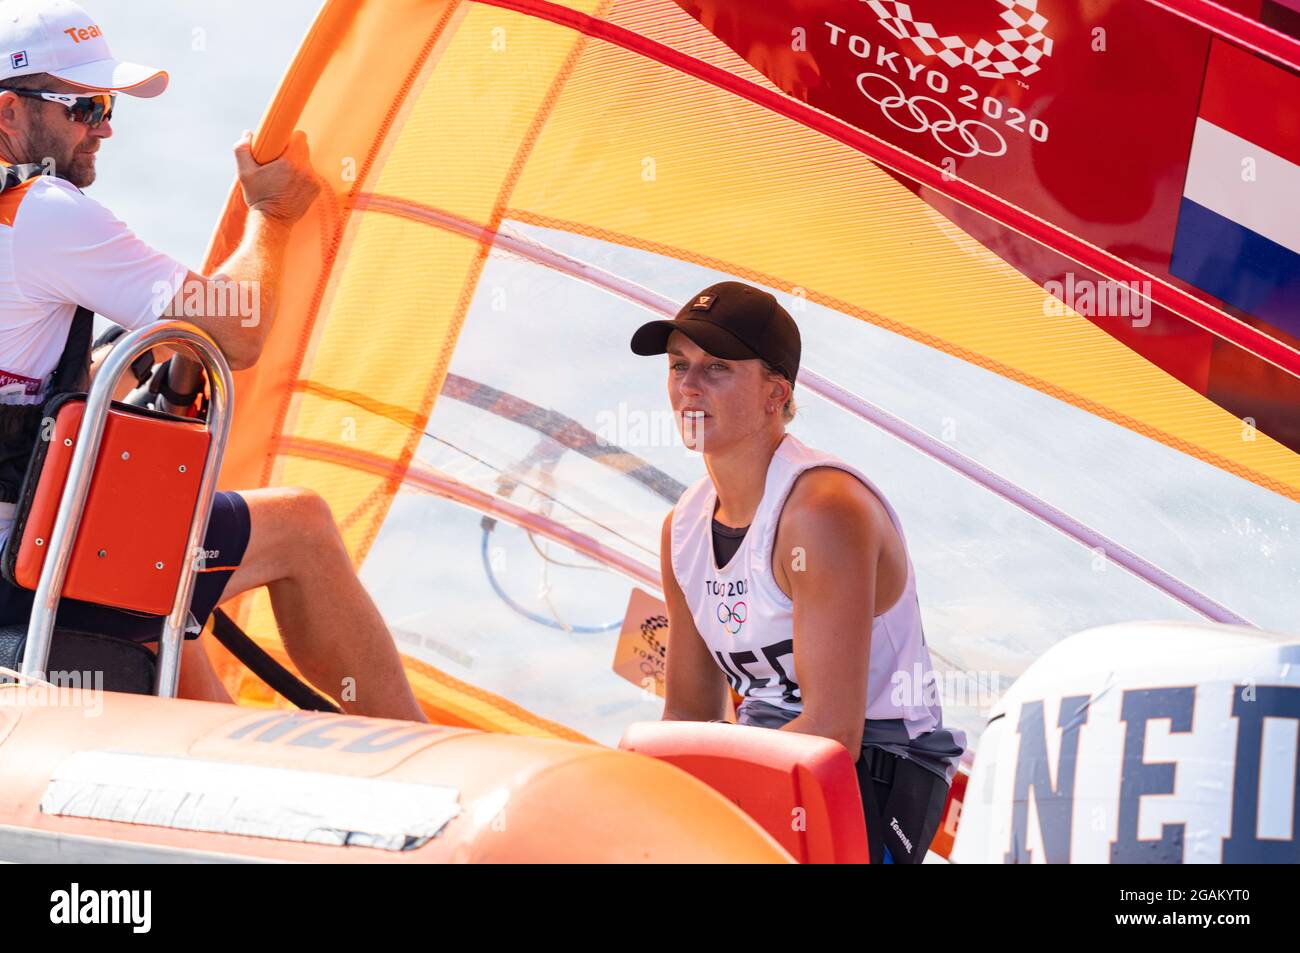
(786, 572)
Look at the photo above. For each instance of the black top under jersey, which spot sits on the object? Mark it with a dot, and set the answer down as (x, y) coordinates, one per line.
(726, 540)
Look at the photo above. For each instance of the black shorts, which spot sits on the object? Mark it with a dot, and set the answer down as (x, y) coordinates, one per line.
(226, 541)
(903, 805)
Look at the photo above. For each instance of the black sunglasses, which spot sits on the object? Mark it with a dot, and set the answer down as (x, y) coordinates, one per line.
(91, 110)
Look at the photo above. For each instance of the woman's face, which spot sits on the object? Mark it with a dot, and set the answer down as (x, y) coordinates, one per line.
(718, 403)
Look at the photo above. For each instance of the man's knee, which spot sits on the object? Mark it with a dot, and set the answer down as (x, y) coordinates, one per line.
(292, 519)
(308, 509)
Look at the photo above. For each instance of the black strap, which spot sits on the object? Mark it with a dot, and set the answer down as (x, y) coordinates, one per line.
(238, 643)
(15, 175)
(175, 399)
(20, 424)
(902, 803)
(873, 789)
(72, 373)
(141, 367)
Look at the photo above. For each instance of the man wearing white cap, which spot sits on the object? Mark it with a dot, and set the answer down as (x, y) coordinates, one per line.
(63, 256)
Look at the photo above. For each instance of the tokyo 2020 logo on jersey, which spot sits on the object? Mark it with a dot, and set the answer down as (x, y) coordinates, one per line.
(1016, 52)
(733, 616)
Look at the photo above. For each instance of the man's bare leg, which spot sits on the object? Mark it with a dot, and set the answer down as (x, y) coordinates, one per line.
(330, 627)
(198, 678)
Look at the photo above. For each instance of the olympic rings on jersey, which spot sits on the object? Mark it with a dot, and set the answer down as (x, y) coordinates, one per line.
(941, 128)
(733, 616)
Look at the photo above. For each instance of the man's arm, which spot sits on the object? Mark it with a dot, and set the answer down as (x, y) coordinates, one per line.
(278, 195)
(835, 522)
(694, 689)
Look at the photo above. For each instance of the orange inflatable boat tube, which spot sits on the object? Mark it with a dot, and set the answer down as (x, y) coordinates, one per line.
(104, 777)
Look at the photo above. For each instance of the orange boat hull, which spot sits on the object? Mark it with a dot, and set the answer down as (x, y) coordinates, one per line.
(104, 776)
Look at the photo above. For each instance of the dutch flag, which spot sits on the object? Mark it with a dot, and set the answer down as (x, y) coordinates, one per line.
(1238, 233)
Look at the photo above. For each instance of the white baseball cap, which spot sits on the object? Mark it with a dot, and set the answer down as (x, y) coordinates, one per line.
(60, 38)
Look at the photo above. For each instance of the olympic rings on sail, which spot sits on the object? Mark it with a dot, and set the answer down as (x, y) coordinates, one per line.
(942, 127)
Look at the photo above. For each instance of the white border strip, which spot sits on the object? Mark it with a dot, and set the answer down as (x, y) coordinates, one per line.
(22, 845)
(1262, 194)
(249, 800)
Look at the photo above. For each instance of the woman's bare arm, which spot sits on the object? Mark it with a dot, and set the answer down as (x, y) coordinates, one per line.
(695, 689)
(836, 524)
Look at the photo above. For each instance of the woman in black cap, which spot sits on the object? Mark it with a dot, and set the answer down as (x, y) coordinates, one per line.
(786, 573)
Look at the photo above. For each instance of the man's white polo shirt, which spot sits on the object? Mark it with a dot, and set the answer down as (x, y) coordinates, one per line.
(60, 249)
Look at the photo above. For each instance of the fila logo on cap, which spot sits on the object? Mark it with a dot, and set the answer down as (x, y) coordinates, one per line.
(704, 302)
(18, 60)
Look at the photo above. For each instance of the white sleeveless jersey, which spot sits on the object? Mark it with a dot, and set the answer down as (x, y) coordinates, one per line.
(748, 622)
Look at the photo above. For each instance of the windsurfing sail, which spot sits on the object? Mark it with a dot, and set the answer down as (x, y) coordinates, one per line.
(1002, 226)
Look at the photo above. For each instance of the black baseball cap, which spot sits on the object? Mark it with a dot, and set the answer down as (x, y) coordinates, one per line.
(733, 321)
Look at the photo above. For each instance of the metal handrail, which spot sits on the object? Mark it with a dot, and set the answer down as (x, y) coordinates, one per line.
(40, 630)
